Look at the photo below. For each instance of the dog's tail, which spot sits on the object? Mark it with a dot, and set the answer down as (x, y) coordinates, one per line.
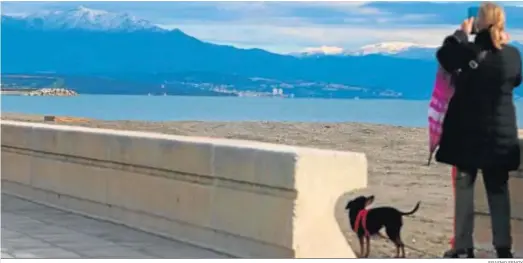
(413, 210)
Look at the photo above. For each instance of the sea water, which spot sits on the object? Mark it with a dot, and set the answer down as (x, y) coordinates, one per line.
(411, 113)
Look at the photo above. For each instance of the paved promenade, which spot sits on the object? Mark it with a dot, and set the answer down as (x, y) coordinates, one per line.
(30, 230)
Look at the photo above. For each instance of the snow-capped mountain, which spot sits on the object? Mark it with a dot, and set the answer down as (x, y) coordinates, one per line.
(405, 50)
(390, 48)
(396, 49)
(82, 18)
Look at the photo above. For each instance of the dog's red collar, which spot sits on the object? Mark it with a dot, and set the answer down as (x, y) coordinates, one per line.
(361, 218)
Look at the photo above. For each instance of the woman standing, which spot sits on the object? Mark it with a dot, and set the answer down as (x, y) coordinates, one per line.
(480, 129)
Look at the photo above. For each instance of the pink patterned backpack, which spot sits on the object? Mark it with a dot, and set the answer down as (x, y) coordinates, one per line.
(443, 92)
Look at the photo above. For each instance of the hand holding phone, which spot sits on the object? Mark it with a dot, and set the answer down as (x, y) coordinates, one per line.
(468, 26)
(473, 18)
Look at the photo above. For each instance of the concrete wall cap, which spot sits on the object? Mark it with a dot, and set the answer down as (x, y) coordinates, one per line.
(234, 143)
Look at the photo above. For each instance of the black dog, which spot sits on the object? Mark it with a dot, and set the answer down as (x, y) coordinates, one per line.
(369, 222)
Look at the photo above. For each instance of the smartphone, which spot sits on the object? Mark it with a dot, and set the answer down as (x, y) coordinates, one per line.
(473, 12)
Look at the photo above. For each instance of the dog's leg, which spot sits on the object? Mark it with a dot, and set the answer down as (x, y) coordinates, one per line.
(402, 248)
(362, 246)
(397, 250)
(400, 245)
(395, 237)
(397, 244)
(367, 252)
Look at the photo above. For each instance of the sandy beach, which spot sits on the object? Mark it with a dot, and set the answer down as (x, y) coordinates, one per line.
(397, 156)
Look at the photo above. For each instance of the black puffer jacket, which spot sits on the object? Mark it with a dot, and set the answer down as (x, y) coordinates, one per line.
(480, 128)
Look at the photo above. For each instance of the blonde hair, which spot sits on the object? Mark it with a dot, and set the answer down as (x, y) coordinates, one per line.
(493, 15)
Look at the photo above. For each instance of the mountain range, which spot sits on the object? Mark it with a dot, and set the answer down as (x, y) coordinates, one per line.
(393, 49)
(95, 51)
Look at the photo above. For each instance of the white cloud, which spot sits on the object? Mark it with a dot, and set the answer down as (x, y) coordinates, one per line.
(296, 37)
(354, 7)
(346, 34)
(285, 27)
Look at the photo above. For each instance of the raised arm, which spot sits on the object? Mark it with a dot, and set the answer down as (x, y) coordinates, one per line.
(459, 37)
(456, 51)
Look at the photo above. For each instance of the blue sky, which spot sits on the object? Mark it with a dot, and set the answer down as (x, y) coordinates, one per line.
(295, 26)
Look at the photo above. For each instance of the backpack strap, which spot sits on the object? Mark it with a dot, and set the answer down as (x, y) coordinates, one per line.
(474, 64)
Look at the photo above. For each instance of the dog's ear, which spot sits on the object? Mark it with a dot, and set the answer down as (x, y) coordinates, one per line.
(370, 200)
(349, 204)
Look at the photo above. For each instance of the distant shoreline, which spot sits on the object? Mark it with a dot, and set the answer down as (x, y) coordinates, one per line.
(58, 92)
(13, 92)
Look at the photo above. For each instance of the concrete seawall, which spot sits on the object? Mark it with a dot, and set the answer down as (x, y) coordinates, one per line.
(246, 199)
